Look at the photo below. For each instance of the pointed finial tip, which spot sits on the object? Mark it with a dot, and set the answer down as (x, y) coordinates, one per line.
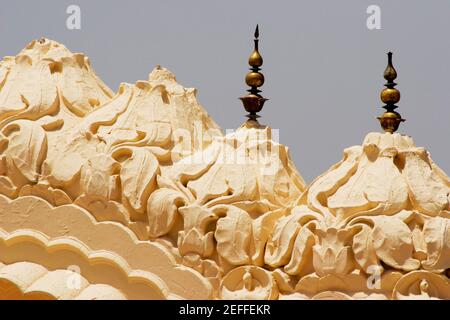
(389, 54)
(257, 31)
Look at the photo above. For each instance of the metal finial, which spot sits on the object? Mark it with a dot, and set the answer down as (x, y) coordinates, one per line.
(253, 102)
(390, 120)
(390, 74)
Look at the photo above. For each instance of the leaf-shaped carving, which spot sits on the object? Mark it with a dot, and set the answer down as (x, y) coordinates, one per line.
(233, 235)
(329, 182)
(196, 242)
(279, 181)
(81, 90)
(428, 192)
(376, 181)
(262, 229)
(225, 183)
(363, 249)
(27, 149)
(392, 241)
(436, 232)
(138, 175)
(279, 247)
(96, 176)
(108, 113)
(196, 236)
(162, 210)
(302, 253)
(28, 88)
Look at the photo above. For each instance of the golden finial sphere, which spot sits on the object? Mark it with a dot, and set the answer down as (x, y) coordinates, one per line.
(255, 59)
(390, 95)
(254, 79)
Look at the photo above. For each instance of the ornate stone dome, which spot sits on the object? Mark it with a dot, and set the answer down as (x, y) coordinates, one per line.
(375, 225)
(119, 197)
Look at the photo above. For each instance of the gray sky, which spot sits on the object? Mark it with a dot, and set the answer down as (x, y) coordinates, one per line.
(323, 67)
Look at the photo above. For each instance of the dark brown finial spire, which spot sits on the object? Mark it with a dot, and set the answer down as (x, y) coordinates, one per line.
(253, 102)
(390, 120)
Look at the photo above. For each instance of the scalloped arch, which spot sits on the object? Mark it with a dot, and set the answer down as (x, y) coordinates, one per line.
(71, 221)
(67, 254)
(31, 281)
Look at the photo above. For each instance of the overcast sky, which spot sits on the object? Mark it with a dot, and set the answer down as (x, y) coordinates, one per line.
(323, 66)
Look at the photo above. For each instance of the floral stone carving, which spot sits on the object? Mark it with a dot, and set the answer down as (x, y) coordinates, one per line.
(367, 225)
(145, 182)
